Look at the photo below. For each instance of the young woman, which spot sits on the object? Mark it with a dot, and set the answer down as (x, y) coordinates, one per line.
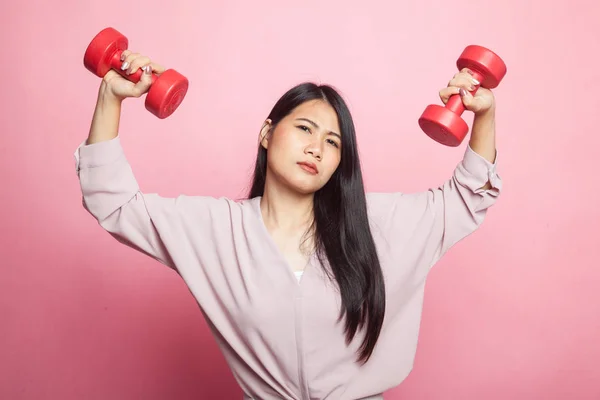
(312, 288)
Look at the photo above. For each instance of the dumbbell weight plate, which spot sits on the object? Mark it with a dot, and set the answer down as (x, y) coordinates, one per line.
(166, 93)
(98, 55)
(443, 125)
(484, 61)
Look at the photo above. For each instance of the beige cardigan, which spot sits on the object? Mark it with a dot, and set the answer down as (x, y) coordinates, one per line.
(279, 334)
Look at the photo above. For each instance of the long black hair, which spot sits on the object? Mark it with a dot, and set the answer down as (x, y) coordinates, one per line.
(342, 232)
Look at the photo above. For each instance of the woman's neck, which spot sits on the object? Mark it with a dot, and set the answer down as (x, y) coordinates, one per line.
(286, 211)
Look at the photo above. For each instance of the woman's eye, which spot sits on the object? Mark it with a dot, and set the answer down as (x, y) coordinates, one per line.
(304, 128)
(332, 142)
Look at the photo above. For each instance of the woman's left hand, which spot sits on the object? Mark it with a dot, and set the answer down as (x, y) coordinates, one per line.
(462, 84)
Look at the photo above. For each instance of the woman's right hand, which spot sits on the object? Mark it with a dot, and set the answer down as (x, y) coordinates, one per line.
(120, 87)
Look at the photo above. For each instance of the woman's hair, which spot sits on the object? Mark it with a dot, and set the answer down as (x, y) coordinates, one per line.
(340, 223)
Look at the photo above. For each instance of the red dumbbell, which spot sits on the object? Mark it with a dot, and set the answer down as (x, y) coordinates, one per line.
(104, 53)
(444, 124)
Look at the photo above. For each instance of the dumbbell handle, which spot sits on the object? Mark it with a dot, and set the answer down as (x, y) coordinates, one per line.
(455, 103)
(115, 63)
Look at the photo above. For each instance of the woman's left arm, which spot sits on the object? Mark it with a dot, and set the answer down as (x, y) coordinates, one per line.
(483, 105)
(427, 224)
(461, 204)
(483, 138)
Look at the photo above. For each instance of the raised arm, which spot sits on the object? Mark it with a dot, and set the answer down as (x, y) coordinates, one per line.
(109, 189)
(423, 226)
(460, 205)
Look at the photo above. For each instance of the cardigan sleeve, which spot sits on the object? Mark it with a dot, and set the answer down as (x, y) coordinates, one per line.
(460, 205)
(110, 193)
(425, 225)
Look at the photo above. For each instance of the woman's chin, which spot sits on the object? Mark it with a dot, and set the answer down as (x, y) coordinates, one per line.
(303, 186)
(301, 183)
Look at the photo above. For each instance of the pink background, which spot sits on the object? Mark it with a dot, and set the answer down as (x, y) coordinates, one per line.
(512, 312)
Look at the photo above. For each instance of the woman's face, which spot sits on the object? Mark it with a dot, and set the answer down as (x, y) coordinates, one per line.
(305, 148)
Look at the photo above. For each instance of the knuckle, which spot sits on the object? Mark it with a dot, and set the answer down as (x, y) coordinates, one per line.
(140, 61)
(131, 57)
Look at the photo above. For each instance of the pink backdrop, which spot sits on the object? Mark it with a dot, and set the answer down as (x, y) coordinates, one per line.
(512, 312)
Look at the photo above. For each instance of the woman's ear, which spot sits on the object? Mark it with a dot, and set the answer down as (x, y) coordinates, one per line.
(265, 133)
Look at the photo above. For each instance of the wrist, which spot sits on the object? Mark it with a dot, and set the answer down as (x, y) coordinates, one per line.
(107, 97)
(488, 114)
(484, 124)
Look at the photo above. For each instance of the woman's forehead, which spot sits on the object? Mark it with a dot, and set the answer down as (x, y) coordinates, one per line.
(319, 113)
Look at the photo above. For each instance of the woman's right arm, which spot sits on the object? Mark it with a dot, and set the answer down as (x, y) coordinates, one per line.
(110, 191)
(114, 89)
